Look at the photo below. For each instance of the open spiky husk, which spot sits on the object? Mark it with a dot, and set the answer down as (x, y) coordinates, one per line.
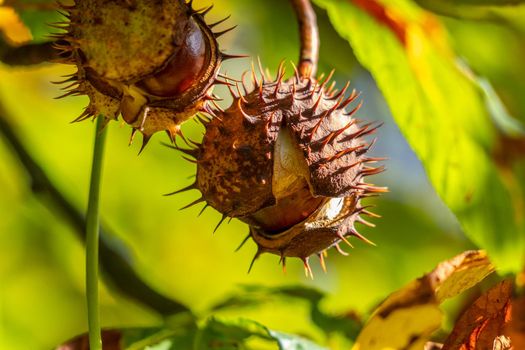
(121, 47)
(289, 158)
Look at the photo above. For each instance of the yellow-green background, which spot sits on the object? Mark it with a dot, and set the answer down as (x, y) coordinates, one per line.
(42, 263)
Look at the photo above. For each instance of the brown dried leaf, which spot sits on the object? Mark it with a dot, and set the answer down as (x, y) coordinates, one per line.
(407, 318)
(515, 329)
(482, 325)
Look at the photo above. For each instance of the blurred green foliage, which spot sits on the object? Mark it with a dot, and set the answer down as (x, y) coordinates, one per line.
(42, 263)
(443, 116)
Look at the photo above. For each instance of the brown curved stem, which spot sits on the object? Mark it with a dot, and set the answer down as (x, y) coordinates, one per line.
(309, 35)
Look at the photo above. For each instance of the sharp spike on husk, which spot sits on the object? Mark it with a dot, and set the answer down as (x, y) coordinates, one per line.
(86, 114)
(218, 108)
(226, 56)
(240, 94)
(280, 70)
(145, 141)
(322, 262)
(307, 268)
(221, 33)
(372, 171)
(226, 77)
(261, 69)
(244, 87)
(364, 222)
(132, 136)
(333, 135)
(325, 81)
(74, 92)
(65, 81)
(372, 215)
(343, 238)
(256, 256)
(341, 251)
(317, 102)
(349, 100)
(193, 186)
(354, 232)
(234, 95)
(340, 93)
(261, 95)
(203, 209)
(343, 153)
(367, 130)
(224, 216)
(296, 72)
(197, 201)
(239, 105)
(318, 124)
(277, 86)
(192, 161)
(211, 25)
(220, 82)
(243, 242)
(282, 261)
(330, 89)
(255, 81)
(204, 12)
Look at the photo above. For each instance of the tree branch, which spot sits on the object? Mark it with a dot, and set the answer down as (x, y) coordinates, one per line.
(309, 36)
(28, 54)
(114, 256)
(37, 6)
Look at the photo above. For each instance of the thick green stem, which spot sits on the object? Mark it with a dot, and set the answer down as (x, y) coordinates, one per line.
(92, 236)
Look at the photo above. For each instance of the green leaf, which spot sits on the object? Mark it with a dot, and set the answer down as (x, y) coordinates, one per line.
(38, 22)
(157, 339)
(292, 342)
(481, 2)
(505, 122)
(137, 339)
(508, 12)
(441, 114)
(232, 334)
(178, 333)
(251, 296)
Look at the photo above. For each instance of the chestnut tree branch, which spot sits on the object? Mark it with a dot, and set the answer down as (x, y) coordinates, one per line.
(309, 36)
(37, 6)
(115, 260)
(27, 54)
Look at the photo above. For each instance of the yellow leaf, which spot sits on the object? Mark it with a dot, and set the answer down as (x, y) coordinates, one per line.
(12, 28)
(407, 318)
